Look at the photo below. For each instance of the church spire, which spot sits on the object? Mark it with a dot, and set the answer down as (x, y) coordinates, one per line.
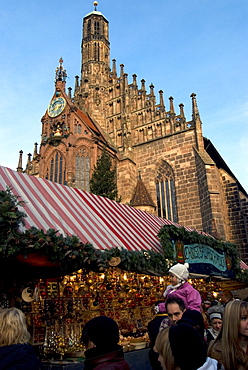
(172, 110)
(60, 76)
(19, 168)
(196, 120)
(60, 73)
(181, 106)
(114, 67)
(35, 151)
(161, 99)
(195, 111)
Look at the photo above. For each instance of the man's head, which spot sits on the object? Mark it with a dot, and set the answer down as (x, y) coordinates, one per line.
(175, 308)
(226, 296)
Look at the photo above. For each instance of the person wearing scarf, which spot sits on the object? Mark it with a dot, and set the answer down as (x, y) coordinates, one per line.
(180, 287)
(216, 323)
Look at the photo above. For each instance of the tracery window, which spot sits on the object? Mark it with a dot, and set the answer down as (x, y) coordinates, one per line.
(97, 28)
(82, 173)
(166, 194)
(56, 172)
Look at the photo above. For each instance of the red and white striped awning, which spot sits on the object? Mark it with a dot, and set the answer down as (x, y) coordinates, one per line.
(94, 219)
(243, 265)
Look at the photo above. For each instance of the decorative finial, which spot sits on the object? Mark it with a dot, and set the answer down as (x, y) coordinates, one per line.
(60, 73)
(95, 4)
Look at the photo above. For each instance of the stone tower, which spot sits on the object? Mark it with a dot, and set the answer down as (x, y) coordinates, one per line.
(91, 91)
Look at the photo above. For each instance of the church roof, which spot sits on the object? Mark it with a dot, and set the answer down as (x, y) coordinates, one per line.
(96, 128)
(219, 161)
(88, 121)
(95, 12)
(141, 197)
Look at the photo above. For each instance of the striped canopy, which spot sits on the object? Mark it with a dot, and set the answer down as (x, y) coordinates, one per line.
(100, 221)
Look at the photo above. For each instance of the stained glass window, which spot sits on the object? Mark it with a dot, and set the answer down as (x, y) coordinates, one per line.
(56, 173)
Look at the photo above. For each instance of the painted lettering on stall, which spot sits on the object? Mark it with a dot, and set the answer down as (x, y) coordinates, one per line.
(196, 253)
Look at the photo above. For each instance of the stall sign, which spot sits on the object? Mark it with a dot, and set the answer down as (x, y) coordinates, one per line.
(196, 253)
(203, 259)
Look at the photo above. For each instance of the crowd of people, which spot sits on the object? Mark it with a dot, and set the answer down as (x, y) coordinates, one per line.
(203, 337)
(185, 334)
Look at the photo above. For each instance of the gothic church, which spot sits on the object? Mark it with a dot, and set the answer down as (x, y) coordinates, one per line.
(164, 164)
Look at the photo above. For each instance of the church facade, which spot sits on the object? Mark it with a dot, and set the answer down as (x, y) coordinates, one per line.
(164, 164)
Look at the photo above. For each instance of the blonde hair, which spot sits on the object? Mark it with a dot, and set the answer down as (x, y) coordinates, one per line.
(229, 334)
(13, 328)
(162, 346)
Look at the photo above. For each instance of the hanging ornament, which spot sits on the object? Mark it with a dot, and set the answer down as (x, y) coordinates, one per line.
(27, 295)
(89, 282)
(114, 261)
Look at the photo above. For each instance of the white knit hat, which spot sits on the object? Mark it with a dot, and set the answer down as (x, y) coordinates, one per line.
(180, 271)
(215, 315)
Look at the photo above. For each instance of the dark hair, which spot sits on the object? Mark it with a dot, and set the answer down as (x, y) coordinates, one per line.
(187, 346)
(102, 331)
(176, 300)
(195, 319)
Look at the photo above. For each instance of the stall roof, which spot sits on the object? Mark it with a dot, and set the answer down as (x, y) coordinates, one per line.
(100, 221)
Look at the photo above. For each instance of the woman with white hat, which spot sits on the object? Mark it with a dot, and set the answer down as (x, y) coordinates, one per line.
(180, 287)
(216, 323)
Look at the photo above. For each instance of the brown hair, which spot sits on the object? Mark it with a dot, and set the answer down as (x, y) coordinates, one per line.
(13, 328)
(227, 294)
(162, 346)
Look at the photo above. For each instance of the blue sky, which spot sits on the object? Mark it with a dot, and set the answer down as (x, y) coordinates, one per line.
(180, 46)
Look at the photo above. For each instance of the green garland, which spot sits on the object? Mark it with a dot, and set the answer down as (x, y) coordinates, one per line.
(168, 233)
(73, 255)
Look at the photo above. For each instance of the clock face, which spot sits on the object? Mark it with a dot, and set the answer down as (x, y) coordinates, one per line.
(56, 107)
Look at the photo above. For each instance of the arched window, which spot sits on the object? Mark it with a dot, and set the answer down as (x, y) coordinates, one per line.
(82, 173)
(97, 28)
(57, 172)
(166, 195)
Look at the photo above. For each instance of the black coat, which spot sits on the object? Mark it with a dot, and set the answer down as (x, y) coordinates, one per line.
(153, 327)
(153, 330)
(19, 357)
